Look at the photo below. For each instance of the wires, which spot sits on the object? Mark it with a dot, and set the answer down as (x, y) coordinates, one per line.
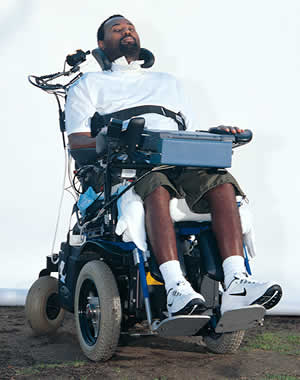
(70, 189)
(59, 91)
(53, 259)
(116, 197)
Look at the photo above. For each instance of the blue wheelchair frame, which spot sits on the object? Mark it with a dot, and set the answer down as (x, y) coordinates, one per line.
(199, 258)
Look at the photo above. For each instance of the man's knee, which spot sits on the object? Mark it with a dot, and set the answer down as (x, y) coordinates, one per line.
(155, 181)
(223, 188)
(159, 194)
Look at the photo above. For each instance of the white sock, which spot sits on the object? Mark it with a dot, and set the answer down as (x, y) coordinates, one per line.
(171, 273)
(231, 266)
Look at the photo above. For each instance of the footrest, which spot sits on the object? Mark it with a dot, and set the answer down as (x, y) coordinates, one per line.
(241, 319)
(181, 325)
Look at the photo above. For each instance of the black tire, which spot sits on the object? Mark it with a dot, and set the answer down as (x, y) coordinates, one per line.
(97, 311)
(224, 343)
(42, 308)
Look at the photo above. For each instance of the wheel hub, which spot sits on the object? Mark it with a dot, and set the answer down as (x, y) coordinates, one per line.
(92, 313)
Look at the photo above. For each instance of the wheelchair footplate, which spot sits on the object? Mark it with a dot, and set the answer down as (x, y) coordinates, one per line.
(241, 319)
(181, 325)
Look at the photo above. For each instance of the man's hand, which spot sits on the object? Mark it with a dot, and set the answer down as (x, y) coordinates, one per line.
(242, 136)
(229, 129)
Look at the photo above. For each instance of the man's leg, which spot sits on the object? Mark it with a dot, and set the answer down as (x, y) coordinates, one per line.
(159, 225)
(226, 222)
(227, 228)
(181, 298)
(240, 289)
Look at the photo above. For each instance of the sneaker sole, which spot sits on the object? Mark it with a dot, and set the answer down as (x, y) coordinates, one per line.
(195, 306)
(270, 298)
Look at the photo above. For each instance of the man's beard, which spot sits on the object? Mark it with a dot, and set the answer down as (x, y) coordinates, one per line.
(130, 49)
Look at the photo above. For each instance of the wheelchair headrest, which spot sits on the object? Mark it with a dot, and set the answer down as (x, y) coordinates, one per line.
(105, 63)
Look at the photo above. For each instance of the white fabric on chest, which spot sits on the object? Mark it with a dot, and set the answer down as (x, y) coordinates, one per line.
(125, 87)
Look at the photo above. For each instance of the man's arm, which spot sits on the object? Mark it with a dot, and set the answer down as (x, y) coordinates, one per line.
(79, 110)
(81, 140)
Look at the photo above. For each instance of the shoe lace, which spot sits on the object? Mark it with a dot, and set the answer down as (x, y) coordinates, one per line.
(174, 290)
(244, 278)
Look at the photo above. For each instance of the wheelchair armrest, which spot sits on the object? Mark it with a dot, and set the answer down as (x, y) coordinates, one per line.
(84, 156)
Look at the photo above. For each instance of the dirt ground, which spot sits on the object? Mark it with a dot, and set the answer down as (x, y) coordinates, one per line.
(268, 352)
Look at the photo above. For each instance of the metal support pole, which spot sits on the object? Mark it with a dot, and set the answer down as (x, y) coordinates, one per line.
(139, 258)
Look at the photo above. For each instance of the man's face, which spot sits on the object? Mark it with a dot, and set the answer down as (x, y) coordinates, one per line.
(120, 39)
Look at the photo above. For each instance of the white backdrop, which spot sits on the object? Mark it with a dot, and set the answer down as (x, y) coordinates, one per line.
(240, 61)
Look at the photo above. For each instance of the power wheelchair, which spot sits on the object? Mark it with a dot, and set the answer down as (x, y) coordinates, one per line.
(111, 285)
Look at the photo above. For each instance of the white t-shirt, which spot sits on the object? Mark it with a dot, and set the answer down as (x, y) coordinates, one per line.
(125, 86)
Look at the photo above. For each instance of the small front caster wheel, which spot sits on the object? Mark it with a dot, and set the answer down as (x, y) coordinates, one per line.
(42, 307)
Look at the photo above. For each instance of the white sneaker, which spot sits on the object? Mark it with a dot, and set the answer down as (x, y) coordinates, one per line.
(183, 300)
(245, 291)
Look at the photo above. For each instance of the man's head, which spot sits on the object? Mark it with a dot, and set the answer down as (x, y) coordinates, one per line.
(117, 37)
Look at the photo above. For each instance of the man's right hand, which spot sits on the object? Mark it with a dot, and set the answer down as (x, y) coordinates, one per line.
(228, 129)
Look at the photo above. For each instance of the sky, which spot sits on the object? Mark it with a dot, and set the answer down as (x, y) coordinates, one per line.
(240, 63)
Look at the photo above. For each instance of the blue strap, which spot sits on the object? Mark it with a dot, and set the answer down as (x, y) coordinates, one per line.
(192, 230)
(247, 264)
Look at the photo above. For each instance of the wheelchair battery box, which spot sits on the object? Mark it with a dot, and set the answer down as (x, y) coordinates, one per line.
(184, 148)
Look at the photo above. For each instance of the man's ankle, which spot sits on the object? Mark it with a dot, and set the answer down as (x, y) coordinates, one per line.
(171, 272)
(231, 266)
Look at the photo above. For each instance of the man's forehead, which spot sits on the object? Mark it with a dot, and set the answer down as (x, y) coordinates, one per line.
(117, 21)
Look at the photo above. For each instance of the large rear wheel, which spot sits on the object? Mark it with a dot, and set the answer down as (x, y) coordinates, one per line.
(97, 311)
(42, 307)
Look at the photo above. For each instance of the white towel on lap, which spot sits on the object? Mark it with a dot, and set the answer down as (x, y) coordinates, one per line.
(131, 219)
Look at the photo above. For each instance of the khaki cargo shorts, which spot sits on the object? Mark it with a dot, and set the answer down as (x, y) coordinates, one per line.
(191, 184)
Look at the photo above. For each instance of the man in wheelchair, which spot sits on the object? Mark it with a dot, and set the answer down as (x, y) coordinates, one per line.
(125, 85)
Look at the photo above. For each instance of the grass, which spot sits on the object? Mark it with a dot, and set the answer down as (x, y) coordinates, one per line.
(36, 369)
(280, 377)
(285, 344)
